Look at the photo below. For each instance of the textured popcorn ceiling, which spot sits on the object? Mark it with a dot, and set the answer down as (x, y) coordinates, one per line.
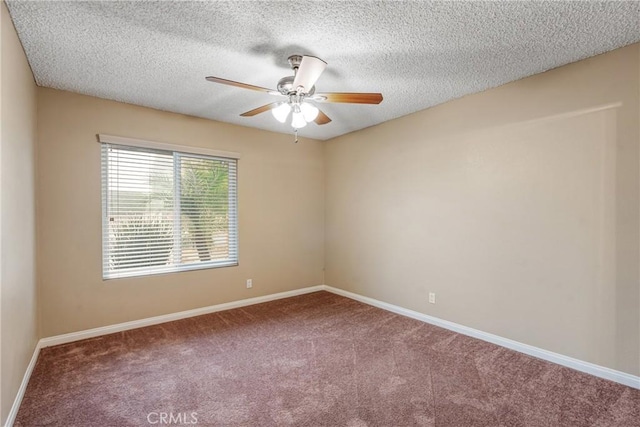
(417, 54)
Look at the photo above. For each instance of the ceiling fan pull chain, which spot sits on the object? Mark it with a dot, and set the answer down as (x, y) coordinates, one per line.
(295, 131)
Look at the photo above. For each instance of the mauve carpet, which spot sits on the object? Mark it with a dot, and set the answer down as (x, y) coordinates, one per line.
(312, 360)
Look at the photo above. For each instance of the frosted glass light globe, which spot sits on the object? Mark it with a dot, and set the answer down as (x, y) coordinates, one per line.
(281, 112)
(309, 111)
(297, 120)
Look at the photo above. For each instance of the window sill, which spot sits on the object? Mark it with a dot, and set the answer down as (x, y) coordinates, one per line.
(167, 270)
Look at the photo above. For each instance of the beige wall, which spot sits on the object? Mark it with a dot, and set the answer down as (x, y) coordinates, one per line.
(280, 202)
(517, 206)
(18, 308)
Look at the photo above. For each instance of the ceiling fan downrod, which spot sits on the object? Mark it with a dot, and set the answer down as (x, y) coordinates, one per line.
(294, 62)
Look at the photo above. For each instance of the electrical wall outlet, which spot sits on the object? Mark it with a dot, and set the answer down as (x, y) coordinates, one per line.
(432, 298)
(249, 283)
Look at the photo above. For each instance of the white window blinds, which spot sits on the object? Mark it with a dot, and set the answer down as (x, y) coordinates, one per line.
(166, 211)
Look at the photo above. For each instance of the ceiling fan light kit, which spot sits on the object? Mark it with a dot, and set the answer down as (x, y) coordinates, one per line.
(299, 90)
(303, 112)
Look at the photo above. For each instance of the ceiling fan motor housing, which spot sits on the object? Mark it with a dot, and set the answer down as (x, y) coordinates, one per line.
(285, 86)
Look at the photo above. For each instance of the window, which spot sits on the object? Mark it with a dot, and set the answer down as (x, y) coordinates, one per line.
(166, 211)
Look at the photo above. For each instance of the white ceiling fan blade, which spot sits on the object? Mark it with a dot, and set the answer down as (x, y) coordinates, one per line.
(310, 70)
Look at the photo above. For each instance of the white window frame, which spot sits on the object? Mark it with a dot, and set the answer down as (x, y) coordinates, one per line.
(177, 150)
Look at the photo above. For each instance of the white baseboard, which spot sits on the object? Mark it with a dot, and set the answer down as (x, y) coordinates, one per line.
(23, 387)
(105, 330)
(570, 362)
(119, 327)
(589, 368)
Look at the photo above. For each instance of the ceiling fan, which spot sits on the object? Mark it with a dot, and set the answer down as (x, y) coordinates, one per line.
(299, 89)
